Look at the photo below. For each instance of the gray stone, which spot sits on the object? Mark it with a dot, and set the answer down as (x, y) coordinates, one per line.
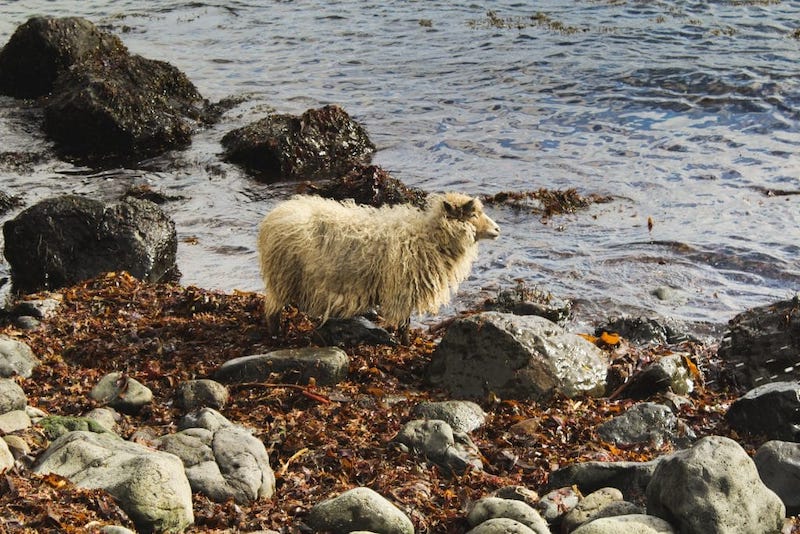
(495, 507)
(631, 478)
(462, 416)
(771, 410)
(13, 421)
(122, 393)
(762, 344)
(115, 529)
(718, 477)
(518, 493)
(589, 507)
(359, 509)
(6, 458)
(667, 374)
(436, 441)
(520, 357)
(16, 358)
(501, 525)
(626, 524)
(557, 503)
(646, 422)
(12, 397)
(326, 365)
(149, 485)
(778, 464)
(106, 416)
(353, 331)
(196, 394)
(18, 446)
(207, 418)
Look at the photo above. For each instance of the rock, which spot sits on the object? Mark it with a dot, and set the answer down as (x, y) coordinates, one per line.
(359, 509)
(644, 330)
(718, 477)
(19, 447)
(64, 240)
(6, 458)
(43, 48)
(122, 393)
(149, 485)
(778, 464)
(322, 143)
(462, 416)
(646, 422)
(771, 410)
(557, 503)
(518, 493)
(631, 478)
(523, 300)
(354, 331)
(326, 365)
(626, 524)
(590, 507)
(668, 373)
(516, 357)
(16, 358)
(207, 418)
(494, 507)
(12, 397)
(369, 185)
(501, 525)
(762, 344)
(228, 463)
(55, 426)
(115, 529)
(106, 417)
(435, 440)
(13, 421)
(196, 394)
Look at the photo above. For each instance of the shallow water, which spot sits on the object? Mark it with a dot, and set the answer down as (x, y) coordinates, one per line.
(684, 112)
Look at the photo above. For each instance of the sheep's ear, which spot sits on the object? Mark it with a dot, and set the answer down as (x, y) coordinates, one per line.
(449, 209)
(468, 208)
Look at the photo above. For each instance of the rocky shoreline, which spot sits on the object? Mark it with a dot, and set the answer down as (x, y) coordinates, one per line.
(130, 402)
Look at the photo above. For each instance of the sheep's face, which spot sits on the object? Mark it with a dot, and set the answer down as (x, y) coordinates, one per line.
(470, 210)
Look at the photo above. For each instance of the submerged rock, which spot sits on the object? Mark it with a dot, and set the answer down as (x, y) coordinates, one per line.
(64, 240)
(322, 143)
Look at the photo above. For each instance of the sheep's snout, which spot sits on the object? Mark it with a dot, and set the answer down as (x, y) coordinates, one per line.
(487, 229)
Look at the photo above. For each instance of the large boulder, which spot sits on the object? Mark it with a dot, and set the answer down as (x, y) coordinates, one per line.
(64, 240)
(519, 357)
(149, 485)
(772, 410)
(778, 464)
(762, 344)
(322, 143)
(714, 487)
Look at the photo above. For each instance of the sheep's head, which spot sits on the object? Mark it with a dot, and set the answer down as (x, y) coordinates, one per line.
(470, 210)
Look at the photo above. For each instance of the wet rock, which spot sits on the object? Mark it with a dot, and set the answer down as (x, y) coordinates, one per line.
(435, 440)
(195, 394)
(16, 358)
(359, 509)
(462, 416)
(225, 463)
(322, 143)
(644, 330)
(631, 478)
(12, 397)
(778, 464)
(122, 393)
(646, 422)
(353, 331)
(7, 202)
(501, 525)
(326, 365)
(149, 485)
(494, 507)
(668, 373)
(64, 240)
(772, 410)
(590, 507)
(369, 185)
(557, 503)
(43, 48)
(762, 344)
(524, 300)
(718, 477)
(516, 357)
(628, 524)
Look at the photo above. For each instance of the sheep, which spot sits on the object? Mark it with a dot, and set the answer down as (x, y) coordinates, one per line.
(340, 259)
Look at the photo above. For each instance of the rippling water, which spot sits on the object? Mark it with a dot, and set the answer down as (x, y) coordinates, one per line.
(685, 112)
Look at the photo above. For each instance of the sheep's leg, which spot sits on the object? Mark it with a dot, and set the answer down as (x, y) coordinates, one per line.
(274, 324)
(403, 332)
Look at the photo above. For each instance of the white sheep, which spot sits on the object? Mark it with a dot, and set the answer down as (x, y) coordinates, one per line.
(340, 259)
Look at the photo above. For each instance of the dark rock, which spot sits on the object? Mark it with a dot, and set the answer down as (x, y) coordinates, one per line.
(43, 48)
(326, 365)
(322, 143)
(646, 422)
(772, 410)
(435, 440)
(631, 478)
(519, 357)
(668, 373)
(8, 202)
(778, 464)
(370, 185)
(353, 331)
(643, 330)
(64, 240)
(762, 344)
(524, 300)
